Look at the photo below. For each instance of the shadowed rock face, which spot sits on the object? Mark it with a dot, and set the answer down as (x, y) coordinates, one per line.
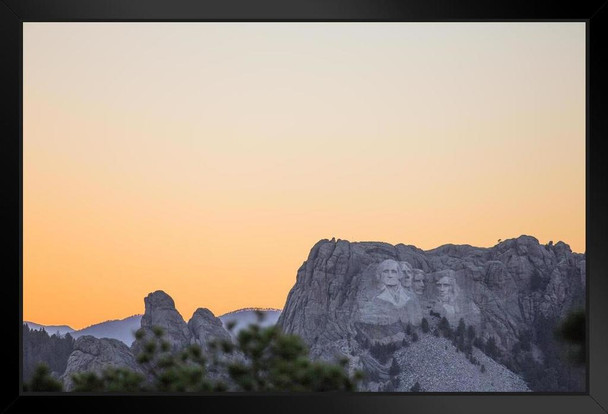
(501, 291)
(95, 355)
(160, 311)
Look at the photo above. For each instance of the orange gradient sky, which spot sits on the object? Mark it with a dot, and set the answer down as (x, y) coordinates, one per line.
(206, 159)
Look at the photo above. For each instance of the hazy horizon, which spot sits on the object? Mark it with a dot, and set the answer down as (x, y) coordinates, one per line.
(206, 159)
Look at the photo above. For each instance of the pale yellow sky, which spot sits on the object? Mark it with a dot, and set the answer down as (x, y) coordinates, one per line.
(206, 159)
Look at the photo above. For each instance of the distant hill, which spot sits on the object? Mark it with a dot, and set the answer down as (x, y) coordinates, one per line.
(124, 329)
(121, 329)
(50, 329)
(244, 317)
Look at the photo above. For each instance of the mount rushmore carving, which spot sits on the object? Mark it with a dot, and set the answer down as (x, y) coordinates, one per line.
(350, 296)
(399, 292)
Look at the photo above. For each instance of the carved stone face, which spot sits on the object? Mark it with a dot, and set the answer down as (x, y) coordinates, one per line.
(418, 283)
(407, 274)
(388, 272)
(445, 289)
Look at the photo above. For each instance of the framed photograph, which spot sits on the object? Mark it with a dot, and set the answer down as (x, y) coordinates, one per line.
(374, 207)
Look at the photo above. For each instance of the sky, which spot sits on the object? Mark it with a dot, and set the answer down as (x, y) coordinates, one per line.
(206, 159)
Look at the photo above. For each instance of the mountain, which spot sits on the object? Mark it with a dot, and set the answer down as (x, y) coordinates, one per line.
(96, 354)
(124, 329)
(356, 300)
(120, 329)
(51, 329)
(246, 316)
(456, 318)
(160, 312)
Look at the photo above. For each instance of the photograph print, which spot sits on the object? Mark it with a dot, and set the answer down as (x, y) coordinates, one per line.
(304, 207)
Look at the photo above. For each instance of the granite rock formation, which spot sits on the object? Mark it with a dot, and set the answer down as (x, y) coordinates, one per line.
(205, 327)
(160, 311)
(95, 355)
(501, 291)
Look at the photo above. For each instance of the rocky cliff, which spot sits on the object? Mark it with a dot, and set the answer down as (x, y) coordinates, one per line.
(95, 355)
(204, 327)
(160, 311)
(92, 354)
(349, 293)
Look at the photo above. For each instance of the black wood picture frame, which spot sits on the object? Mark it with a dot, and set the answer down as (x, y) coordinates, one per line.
(13, 13)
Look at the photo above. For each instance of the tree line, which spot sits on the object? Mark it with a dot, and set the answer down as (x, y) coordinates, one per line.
(41, 348)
